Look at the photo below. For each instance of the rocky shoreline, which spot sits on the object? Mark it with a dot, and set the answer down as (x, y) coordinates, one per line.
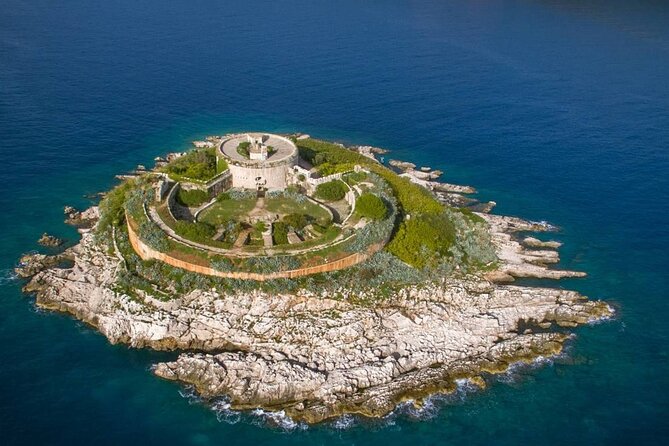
(317, 356)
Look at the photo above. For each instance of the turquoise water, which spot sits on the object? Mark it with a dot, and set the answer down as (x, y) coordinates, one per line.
(557, 110)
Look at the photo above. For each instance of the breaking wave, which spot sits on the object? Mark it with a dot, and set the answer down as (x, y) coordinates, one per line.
(8, 276)
(427, 409)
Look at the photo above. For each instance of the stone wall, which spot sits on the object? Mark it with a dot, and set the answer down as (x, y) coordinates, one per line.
(273, 176)
(147, 253)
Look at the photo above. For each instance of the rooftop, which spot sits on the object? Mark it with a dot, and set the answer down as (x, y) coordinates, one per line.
(283, 147)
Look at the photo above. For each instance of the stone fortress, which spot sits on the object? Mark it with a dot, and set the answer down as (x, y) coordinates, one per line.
(265, 162)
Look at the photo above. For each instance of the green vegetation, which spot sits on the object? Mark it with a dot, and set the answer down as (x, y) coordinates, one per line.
(296, 221)
(280, 233)
(370, 206)
(420, 241)
(243, 149)
(328, 157)
(331, 191)
(226, 209)
(199, 165)
(355, 177)
(197, 232)
(427, 239)
(191, 198)
(413, 200)
(112, 209)
(286, 204)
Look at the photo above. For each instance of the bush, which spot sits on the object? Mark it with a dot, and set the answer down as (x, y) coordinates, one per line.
(153, 236)
(241, 194)
(280, 233)
(243, 149)
(329, 157)
(221, 263)
(370, 206)
(422, 240)
(197, 165)
(296, 221)
(192, 198)
(331, 191)
(197, 232)
(356, 177)
(320, 152)
(112, 211)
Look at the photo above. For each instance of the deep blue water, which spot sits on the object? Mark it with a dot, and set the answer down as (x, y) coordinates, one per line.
(556, 109)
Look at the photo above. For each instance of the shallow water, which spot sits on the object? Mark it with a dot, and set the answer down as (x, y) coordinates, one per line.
(557, 110)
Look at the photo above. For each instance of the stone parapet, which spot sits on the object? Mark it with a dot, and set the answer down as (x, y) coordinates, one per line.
(145, 252)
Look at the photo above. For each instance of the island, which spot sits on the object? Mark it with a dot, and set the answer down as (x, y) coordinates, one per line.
(301, 276)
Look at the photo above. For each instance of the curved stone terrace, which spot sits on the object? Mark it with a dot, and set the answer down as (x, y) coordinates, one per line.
(347, 231)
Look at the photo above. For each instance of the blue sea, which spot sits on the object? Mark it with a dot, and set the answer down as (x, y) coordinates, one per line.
(556, 109)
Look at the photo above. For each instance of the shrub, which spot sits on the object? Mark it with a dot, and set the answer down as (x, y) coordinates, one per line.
(223, 196)
(329, 157)
(241, 194)
(422, 240)
(221, 263)
(260, 226)
(280, 233)
(243, 149)
(356, 177)
(153, 236)
(191, 198)
(296, 221)
(319, 152)
(111, 207)
(197, 165)
(331, 191)
(198, 232)
(370, 206)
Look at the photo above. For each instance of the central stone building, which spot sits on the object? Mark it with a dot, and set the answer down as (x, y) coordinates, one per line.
(259, 161)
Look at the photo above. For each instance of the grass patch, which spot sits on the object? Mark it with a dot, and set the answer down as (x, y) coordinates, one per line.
(191, 198)
(287, 205)
(225, 210)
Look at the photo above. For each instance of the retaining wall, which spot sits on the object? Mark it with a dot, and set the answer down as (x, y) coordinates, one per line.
(147, 253)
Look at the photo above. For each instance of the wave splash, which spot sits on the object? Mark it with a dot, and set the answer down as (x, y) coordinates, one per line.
(427, 409)
(8, 276)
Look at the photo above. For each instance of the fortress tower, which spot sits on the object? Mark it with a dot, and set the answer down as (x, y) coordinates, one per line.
(259, 161)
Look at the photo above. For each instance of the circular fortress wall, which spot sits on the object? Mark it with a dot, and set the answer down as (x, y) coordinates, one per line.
(266, 168)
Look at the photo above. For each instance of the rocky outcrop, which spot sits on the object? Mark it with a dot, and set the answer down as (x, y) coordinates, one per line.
(369, 151)
(85, 219)
(402, 165)
(49, 241)
(31, 264)
(315, 356)
(517, 261)
(532, 242)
